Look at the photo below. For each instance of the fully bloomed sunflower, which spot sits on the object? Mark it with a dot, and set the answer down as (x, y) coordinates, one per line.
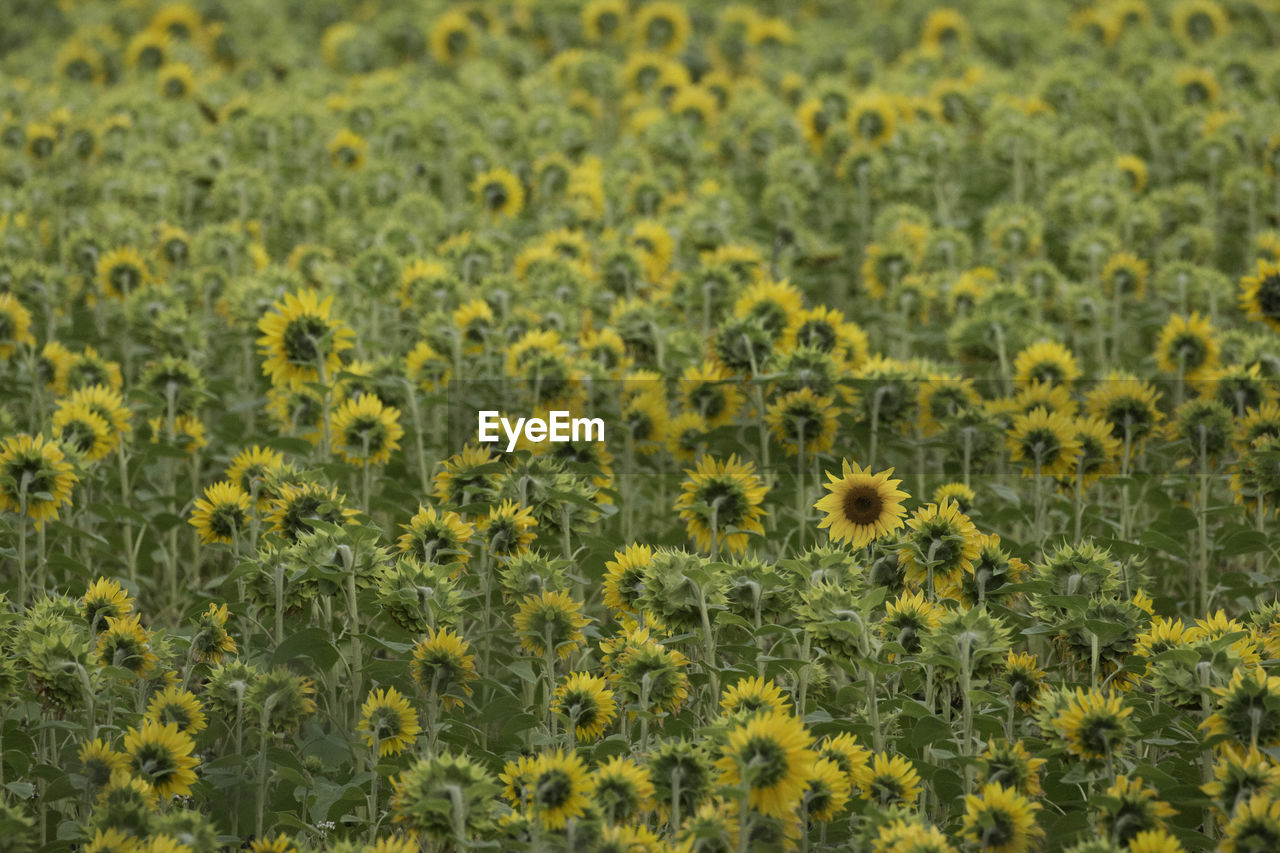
(769, 755)
(365, 431)
(1000, 820)
(443, 665)
(561, 788)
(301, 339)
(388, 722)
(160, 755)
(586, 702)
(222, 513)
(35, 478)
(720, 504)
(862, 506)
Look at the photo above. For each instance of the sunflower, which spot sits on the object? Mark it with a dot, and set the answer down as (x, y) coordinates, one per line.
(1098, 454)
(99, 762)
(280, 844)
(1187, 346)
(127, 645)
(1203, 428)
(944, 28)
(15, 326)
(941, 544)
(1000, 820)
(82, 431)
(35, 479)
(508, 529)
(1248, 710)
(1128, 807)
(827, 790)
(426, 368)
(388, 722)
(1254, 826)
(623, 791)
(992, 571)
(442, 665)
(941, 399)
(1238, 776)
(299, 504)
(88, 368)
(300, 339)
(175, 81)
(846, 753)
(1093, 724)
(551, 620)
(104, 599)
(222, 513)
(720, 504)
(561, 788)
(1010, 765)
(773, 304)
(347, 149)
(958, 493)
(365, 432)
(889, 780)
(1125, 274)
(1134, 170)
(803, 419)
(121, 272)
(624, 577)
(177, 706)
(710, 391)
(436, 537)
(453, 37)
(211, 641)
(188, 432)
(862, 506)
(251, 469)
(1129, 405)
(587, 703)
(1259, 294)
(148, 50)
(499, 192)
(908, 618)
(160, 755)
(1046, 362)
(752, 695)
(603, 20)
(873, 117)
(661, 26)
(1045, 443)
(644, 671)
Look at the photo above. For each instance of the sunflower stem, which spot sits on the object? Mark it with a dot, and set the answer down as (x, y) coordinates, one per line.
(373, 788)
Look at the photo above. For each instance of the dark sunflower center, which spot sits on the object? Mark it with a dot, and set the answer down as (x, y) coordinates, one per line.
(862, 505)
(708, 400)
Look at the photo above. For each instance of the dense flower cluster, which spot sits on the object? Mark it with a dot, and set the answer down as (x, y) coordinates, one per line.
(936, 349)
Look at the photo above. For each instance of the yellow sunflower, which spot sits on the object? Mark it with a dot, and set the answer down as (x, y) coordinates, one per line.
(160, 755)
(388, 721)
(300, 339)
(862, 506)
(35, 478)
(769, 754)
(720, 504)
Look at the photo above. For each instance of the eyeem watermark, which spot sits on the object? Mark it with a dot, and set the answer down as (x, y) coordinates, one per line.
(559, 427)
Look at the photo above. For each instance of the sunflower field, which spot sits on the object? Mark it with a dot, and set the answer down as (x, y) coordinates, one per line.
(633, 425)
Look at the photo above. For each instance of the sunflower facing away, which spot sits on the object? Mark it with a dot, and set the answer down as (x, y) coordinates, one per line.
(862, 506)
(388, 722)
(770, 754)
(160, 754)
(587, 703)
(300, 339)
(720, 504)
(35, 479)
